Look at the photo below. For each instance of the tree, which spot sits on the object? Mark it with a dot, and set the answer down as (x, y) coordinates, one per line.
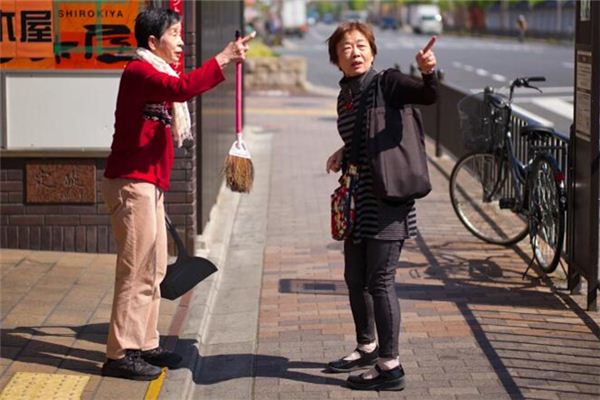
(357, 5)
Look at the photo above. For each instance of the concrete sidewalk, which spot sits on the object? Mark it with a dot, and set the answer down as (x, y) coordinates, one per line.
(277, 311)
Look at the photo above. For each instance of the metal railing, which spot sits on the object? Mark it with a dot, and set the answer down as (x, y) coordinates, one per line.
(442, 124)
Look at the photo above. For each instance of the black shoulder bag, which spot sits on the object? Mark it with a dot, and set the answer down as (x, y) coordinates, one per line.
(396, 148)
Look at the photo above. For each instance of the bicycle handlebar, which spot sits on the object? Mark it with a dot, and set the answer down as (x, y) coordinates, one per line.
(524, 82)
(537, 79)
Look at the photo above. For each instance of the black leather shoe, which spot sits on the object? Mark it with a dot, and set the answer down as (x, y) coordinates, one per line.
(366, 360)
(386, 380)
(161, 357)
(132, 366)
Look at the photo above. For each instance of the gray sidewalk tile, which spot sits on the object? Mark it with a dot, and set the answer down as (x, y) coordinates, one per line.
(471, 327)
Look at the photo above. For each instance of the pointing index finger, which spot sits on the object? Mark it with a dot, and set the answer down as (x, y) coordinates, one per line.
(249, 37)
(429, 45)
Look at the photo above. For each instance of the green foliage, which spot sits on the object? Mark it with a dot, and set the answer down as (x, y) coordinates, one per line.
(259, 50)
(324, 7)
(408, 2)
(357, 5)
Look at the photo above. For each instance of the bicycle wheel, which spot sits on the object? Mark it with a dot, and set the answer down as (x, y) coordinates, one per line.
(547, 209)
(476, 184)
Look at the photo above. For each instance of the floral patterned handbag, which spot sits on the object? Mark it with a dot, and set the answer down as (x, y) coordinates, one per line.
(343, 204)
(343, 198)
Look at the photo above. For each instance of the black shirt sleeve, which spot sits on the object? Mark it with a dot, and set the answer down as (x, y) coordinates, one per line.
(400, 89)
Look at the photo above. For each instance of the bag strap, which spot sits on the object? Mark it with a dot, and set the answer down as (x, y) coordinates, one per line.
(181, 251)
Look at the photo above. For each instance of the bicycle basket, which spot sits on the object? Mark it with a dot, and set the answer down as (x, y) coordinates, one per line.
(476, 124)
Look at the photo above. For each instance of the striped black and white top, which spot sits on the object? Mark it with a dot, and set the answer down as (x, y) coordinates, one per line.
(375, 218)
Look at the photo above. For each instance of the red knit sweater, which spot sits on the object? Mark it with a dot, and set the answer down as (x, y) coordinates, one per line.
(142, 146)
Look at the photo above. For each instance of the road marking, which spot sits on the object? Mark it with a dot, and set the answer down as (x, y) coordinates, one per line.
(568, 65)
(303, 112)
(153, 390)
(530, 99)
(530, 115)
(555, 105)
(557, 89)
(499, 78)
(456, 64)
(481, 72)
(469, 68)
(565, 90)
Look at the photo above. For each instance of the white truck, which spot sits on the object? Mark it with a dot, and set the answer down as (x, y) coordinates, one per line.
(425, 18)
(293, 17)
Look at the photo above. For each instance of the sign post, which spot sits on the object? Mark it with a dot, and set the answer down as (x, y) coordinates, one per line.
(584, 200)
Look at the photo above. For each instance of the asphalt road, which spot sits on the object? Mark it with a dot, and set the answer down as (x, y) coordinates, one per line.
(469, 63)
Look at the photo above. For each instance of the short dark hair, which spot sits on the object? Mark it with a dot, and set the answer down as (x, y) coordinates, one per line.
(153, 22)
(345, 27)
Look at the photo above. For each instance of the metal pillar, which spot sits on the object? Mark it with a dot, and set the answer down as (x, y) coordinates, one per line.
(585, 151)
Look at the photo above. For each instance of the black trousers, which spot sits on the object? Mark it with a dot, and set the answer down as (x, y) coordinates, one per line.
(370, 269)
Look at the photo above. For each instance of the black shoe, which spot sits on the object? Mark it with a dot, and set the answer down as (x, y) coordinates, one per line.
(386, 380)
(365, 360)
(161, 357)
(132, 366)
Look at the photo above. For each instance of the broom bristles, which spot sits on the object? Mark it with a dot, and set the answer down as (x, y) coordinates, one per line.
(239, 173)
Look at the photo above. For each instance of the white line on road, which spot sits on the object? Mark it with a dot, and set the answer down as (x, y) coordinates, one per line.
(530, 99)
(528, 114)
(456, 64)
(499, 78)
(469, 68)
(556, 105)
(558, 89)
(565, 90)
(481, 72)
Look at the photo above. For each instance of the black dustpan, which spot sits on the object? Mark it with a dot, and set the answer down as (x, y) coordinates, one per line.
(186, 272)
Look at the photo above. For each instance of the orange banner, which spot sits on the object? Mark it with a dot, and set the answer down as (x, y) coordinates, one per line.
(58, 34)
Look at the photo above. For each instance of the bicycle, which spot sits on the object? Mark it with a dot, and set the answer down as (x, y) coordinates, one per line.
(499, 198)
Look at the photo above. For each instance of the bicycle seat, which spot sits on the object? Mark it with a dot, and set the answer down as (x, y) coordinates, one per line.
(533, 132)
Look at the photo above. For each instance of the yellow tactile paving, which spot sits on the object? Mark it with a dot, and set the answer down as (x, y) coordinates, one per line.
(38, 386)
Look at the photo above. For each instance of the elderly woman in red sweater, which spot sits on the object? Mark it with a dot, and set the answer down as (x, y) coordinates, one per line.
(151, 115)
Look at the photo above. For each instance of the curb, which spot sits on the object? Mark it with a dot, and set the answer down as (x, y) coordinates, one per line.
(319, 90)
(212, 244)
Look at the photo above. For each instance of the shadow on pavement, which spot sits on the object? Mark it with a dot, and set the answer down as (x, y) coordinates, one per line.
(56, 346)
(225, 367)
(463, 282)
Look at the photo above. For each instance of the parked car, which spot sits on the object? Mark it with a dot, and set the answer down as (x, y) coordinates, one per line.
(425, 18)
(328, 18)
(388, 22)
(293, 17)
(360, 16)
(312, 17)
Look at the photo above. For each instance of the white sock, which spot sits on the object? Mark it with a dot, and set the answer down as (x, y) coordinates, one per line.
(385, 364)
(367, 348)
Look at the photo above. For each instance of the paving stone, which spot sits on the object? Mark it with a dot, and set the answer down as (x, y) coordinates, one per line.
(472, 328)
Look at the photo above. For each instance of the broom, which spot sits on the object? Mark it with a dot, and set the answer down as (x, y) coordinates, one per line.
(239, 171)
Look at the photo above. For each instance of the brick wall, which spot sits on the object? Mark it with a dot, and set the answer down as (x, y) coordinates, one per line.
(85, 227)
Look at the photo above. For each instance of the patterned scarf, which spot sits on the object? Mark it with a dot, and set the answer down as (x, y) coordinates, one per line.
(182, 126)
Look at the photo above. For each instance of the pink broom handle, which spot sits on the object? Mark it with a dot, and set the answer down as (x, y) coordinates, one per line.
(238, 93)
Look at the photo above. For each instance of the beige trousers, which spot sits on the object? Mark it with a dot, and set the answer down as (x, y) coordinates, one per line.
(138, 221)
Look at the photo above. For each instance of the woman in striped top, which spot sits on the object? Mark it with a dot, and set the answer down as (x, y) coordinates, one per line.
(371, 253)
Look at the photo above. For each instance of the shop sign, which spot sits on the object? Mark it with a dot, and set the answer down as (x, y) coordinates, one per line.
(60, 34)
